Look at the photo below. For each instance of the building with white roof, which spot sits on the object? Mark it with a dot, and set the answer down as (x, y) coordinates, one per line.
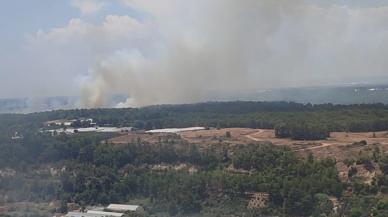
(176, 130)
(113, 214)
(113, 210)
(84, 214)
(93, 213)
(122, 208)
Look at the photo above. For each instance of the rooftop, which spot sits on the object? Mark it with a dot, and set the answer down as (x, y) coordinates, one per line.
(105, 213)
(175, 130)
(83, 214)
(122, 208)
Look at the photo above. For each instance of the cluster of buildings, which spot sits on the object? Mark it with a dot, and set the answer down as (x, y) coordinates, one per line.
(80, 125)
(68, 123)
(113, 210)
(90, 129)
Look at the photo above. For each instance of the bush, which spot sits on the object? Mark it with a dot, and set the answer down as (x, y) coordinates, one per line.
(302, 131)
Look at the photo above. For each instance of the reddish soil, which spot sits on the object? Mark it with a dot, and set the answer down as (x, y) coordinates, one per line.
(133, 137)
(340, 145)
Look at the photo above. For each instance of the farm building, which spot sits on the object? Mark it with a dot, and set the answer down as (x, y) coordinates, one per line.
(113, 210)
(92, 213)
(123, 208)
(114, 214)
(84, 214)
(175, 130)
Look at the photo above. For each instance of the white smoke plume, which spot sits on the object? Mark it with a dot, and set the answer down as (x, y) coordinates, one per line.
(228, 45)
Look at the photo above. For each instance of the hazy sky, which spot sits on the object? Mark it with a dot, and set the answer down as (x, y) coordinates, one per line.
(145, 47)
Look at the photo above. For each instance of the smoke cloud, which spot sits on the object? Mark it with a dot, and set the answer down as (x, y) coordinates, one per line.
(198, 46)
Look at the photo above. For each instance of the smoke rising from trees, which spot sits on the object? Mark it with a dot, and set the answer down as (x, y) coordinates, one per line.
(192, 47)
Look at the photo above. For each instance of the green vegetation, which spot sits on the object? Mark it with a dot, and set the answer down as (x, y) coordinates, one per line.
(104, 174)
(85, 169)
(225, 114)
(291, 119)
(302, 131)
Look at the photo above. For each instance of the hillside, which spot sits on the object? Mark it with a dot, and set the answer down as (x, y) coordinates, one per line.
(236, 166)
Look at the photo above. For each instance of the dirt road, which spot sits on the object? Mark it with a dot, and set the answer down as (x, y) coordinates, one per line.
(323, 145)
(249, 136)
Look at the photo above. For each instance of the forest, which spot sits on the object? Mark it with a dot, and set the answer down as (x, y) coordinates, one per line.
(98, 173)
(88, 170)
(298, 121)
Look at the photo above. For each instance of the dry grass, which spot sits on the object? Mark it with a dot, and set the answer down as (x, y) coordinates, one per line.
(214, 136)
(337, 146)
(134, 137)
(340, 145)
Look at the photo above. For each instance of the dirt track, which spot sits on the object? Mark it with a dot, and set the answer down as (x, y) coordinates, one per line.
(338, 146)
(250, 136)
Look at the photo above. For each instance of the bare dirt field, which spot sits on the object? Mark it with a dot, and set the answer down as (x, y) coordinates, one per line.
(133, 137)
(340, 146)
(214, 136)
(336, 138)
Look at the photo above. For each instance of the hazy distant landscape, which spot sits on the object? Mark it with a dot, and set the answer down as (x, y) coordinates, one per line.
(346, 94)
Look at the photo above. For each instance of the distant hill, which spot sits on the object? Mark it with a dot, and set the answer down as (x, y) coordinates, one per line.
(341, 94)
(27, 105)
(40, 104)
(353, 94)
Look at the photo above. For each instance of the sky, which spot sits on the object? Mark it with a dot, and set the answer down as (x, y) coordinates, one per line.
(174, 51)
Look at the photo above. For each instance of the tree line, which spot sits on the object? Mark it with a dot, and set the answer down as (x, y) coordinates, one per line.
(99, 173)
(299, 121)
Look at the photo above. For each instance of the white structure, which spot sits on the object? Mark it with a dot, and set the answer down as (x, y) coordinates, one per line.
(67, 123)
(175, 130)
(91, 129)
(92, 213)
(83, 214)
(122, 208)
(114, 214)
(17, 136)
(113, 210)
